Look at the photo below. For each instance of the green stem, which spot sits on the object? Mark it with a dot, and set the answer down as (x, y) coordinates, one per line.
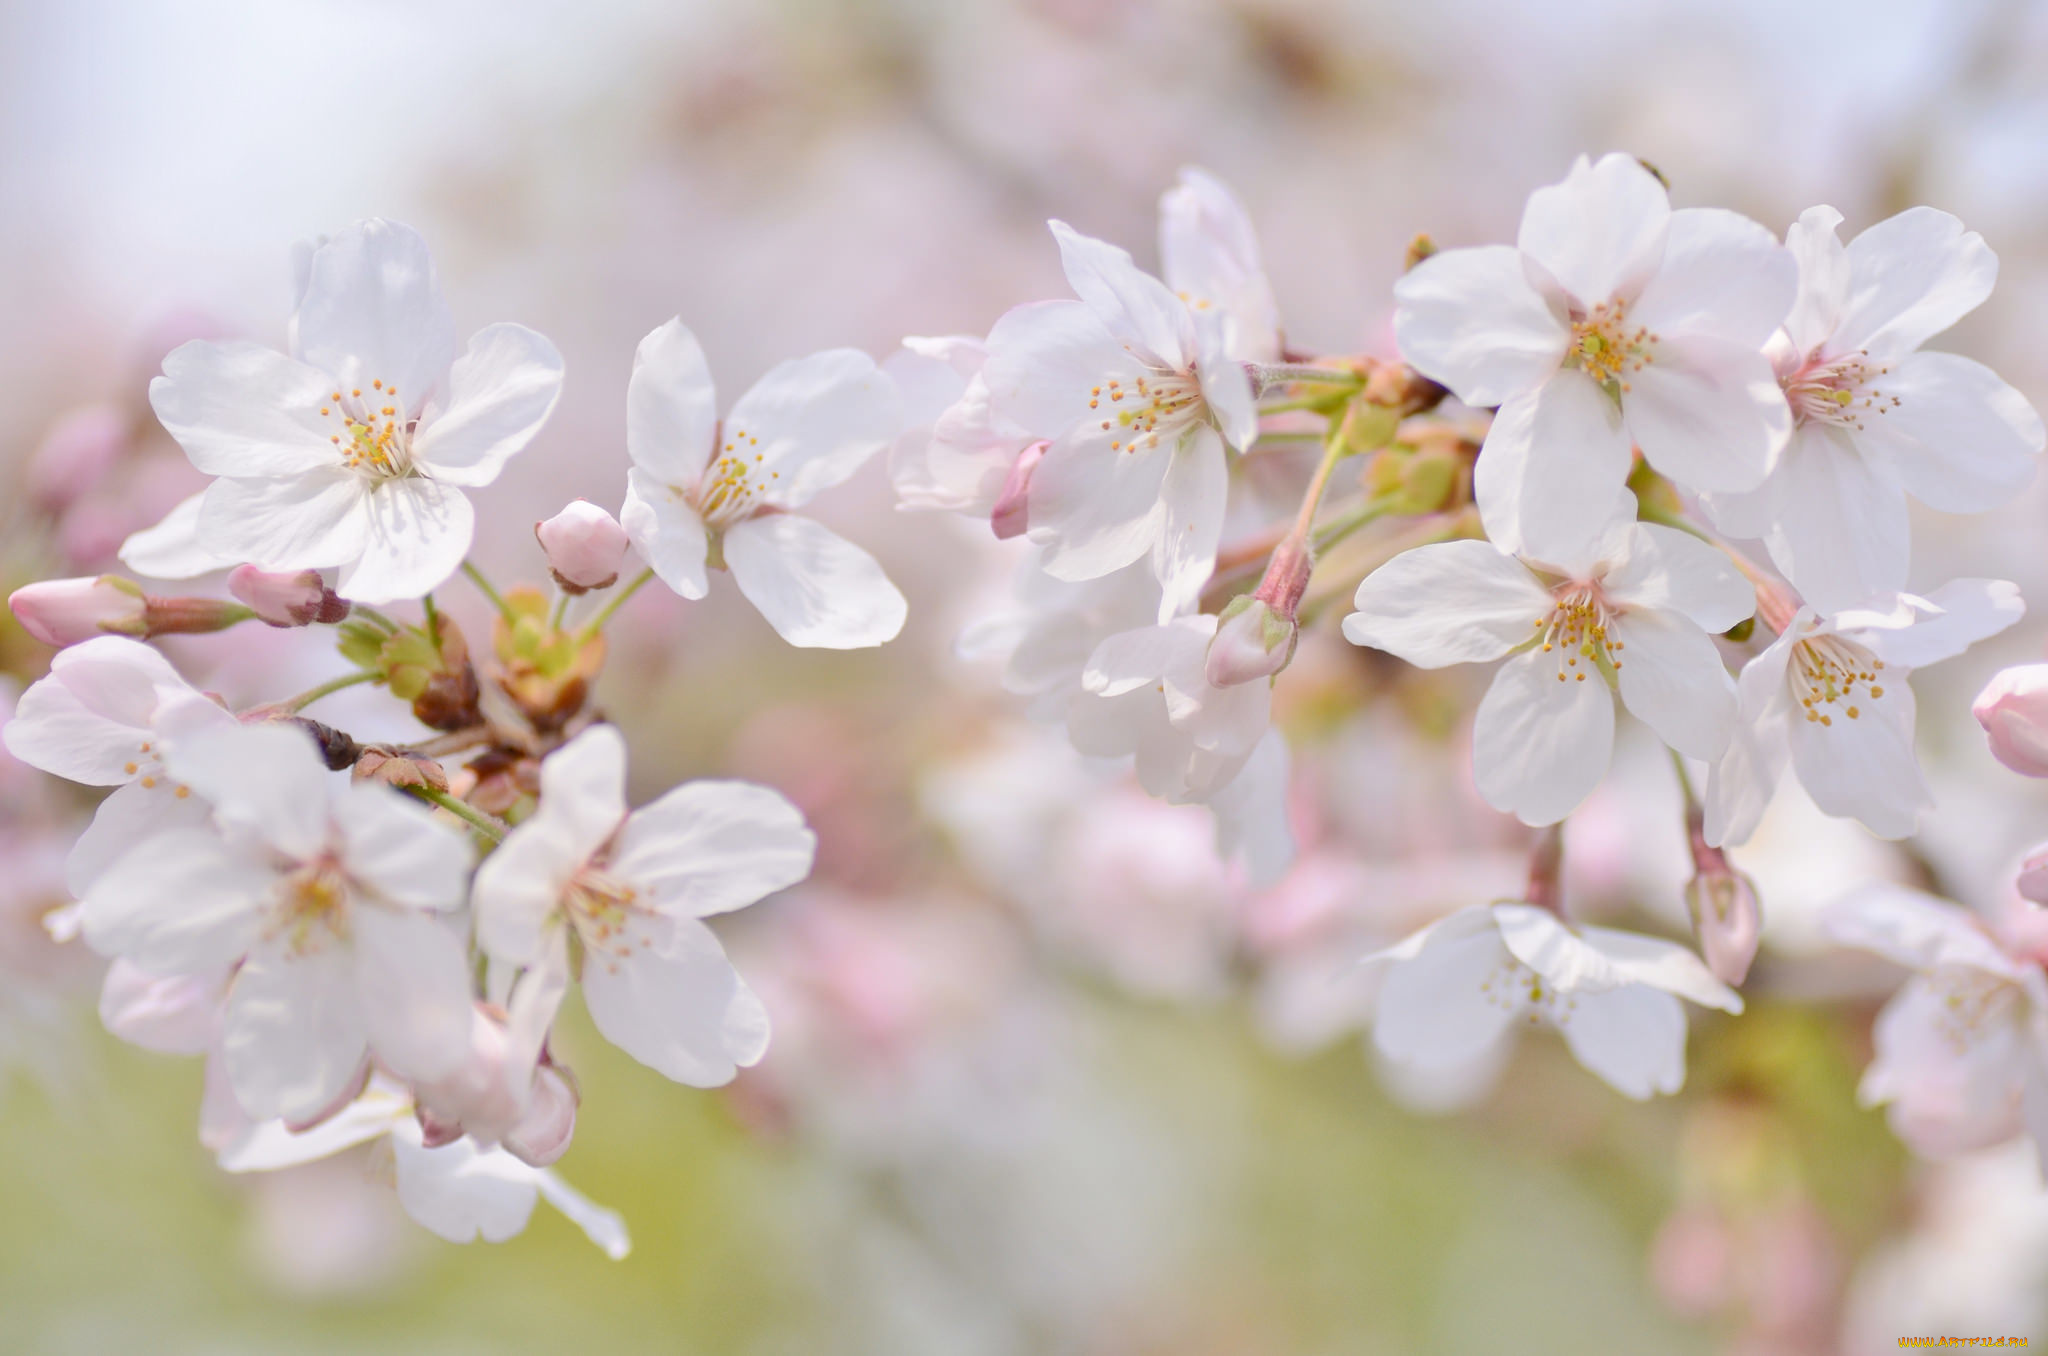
(613, 604)
(372, 614)
(314, 694)
(1321, 403)
(1270, 375)
(433, 621)
(490, 826)
(484, 586)
(561, 610)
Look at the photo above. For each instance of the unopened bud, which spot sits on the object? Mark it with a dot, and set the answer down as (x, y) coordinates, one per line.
(2013, 709)
(1252, 641)
(584, 547)
(300, 598)
(2033, 878)
(1726, 916)
(1011, 515)
(64, 612)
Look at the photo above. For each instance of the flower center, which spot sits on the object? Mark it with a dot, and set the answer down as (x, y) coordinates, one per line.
(1971, 1002)
(375, 435)
(1605, 346)
(1576, 628)
(1826, 672)
(1514, 987)
(1160, 405)
(312, 906)
(602, 909)
(732, 487)
(1838, 392)
(147, 768)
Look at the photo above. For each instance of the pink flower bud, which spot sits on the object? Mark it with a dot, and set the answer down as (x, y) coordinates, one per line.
(584, 546)
(543, 1133)
(2013, 709)
(1011, 515)
(64, 612)
(1253, 641)
(76, 455)
(1727, 919)
(2033, 878)
(297, 599)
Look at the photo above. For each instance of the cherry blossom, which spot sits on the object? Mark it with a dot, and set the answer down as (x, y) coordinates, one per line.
(1635, 612)
(353, 449)
(1830, 695)
(1875, 418)
(2013, 709)
(1209, 256)
(704, 493)
(633, 888)
(1452, 993)
(1612, 322)
(956, 453)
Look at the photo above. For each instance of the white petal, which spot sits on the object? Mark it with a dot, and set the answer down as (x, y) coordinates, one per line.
(1707, 413)
(1633, 1038)
(601, 1226)
(1454, 602)
(1552, 466)
(1865, 768)
(812, 422)
(1943, 625)
(1740, 786)
(132, 815)
(1469, 319)
(399, 851)
(685, 1012)
(671, 408)
(1823, 278)
(240, 409)
(816, 589)
(417, 532)
(269, 1146)
(178, 904)
(1540, 746)
(1601, 232)
(667, 532)
(519, 887)
(462, 1192)
(174, 548)
(1209, 255)
(1911, 277)
(583, 789)
(499, 394)
(169, 1014)
(372, 311)
(1953, 1088)
(1841, 533)
(266, 777)
(1252, 823)
(1139, 658)
(1449, 1002)
(1193, 493)
(308, 522)
(1660, 965)
(412, 973)
(1096, 507)
(709, 847)
(1671, 678)
(1914, 929)
(1044, 358)
(1226, 386)
(1723, 276)
(1673, 571)
(1959, 440)
(294, 1033)
(1132, 305)
(89, 718)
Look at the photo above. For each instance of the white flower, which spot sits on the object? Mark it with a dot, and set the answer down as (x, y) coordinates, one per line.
(338, 899)
(1209, 256)
(633, 888)
(1612, 321)
(701, 494)
(1046, 641)
(354, 449)
(1635, 610)
(1874, 418)
(1962, 1049)
(1453, 992)
(1139, 394)
(461, 1191)
(1830, 694)
(104, 715)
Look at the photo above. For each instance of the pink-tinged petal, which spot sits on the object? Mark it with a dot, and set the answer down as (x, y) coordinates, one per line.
(1671, 679)
(1865, 769)
(372, 311)
(1540, 746)
(1951, 1087)
(1940, 626)
(1446, 1004)
(683, 1011)
(671, 407)
(1724, 276)
(308, 522)
(1660, 965)
(1633, 1038)
(1823, 279)
(1959, 439)
(89, 718)
(1132, 305)
(294, 1034)
(810, 423)
(2013, 709)
(585, 546)
(170, 1014)
(270, 1145)
(268, 778)
(1911, 277)
(174, 548)
(1914, 929)
(1094, 506)
(1673, 571)
(132, 815)
(1469, 319)
(1601, 232)
(1455, 602)
(412, 973)
(397, 850)
(667, 532)
(1193, 493)
(417, 532)
(181, 903)
(816, 589)
(499, 394)
(240, 409)
(1552, 468)
(462, 1192)
(1841, 534)
(1707, 413)
(1743, 779)
(710, 847)
(1045, 359)
(1209, 256)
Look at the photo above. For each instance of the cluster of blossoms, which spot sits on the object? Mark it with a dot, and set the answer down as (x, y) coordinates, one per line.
(1638, 447)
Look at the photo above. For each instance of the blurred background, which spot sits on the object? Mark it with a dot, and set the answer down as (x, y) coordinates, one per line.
(1047, 1077)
